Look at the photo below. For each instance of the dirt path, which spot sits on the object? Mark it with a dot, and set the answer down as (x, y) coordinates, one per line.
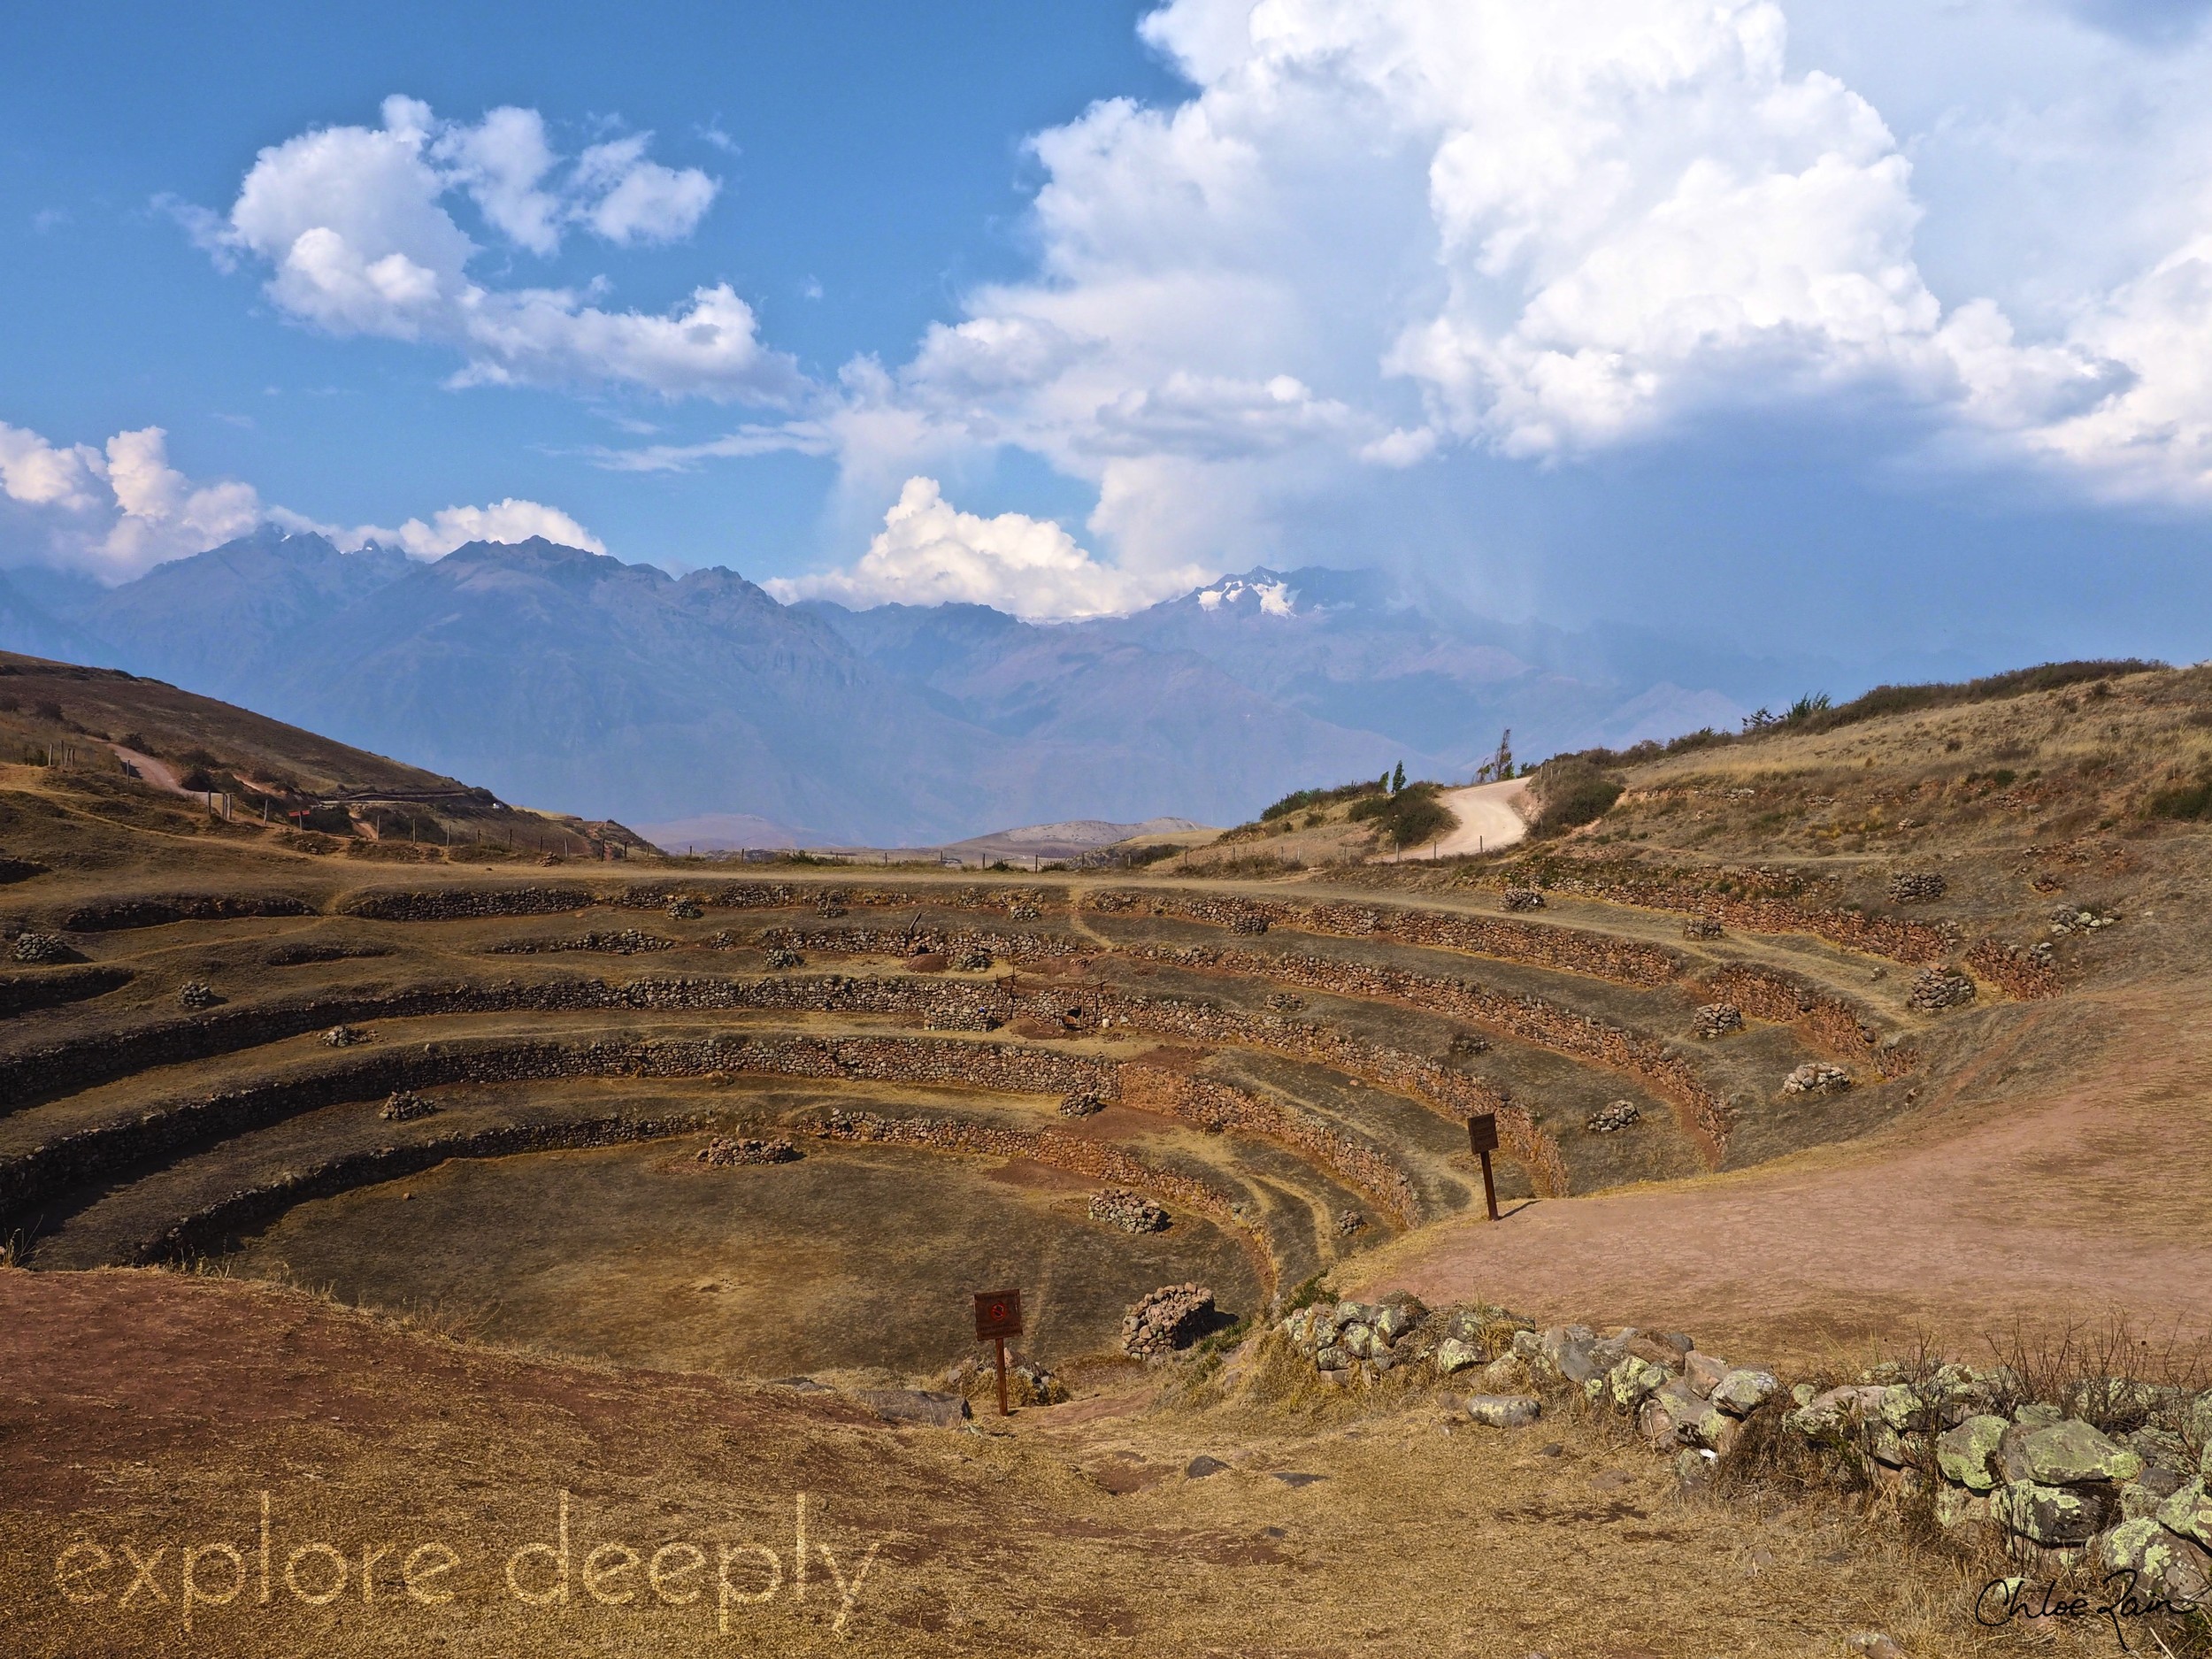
(2087, 1202)
(1489, 816)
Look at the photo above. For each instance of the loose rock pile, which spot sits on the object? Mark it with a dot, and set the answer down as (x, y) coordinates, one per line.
(1467, 1044)
(197, 993)
(1347, 1341)
(39, 949)
(343, 1037)
(1916, 887)
(1248, 923)
(1717, 1020)
(1350, 1222)
(1521, 899)
(784, 956)
(1080, 1104)
(1173, 1316)
(405, 1106)
(729, 1151)
(1285, 1002)
(1022, 913)
(1132, 1212)
(973, 961)
(685, 911)
(2067, 919)
(1935, 989)
(1815, 1077)
(1701, 927)
(1618, 1115)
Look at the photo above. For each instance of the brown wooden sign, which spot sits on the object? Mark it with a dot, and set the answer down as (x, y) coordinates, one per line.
(1482, 1133)
(998, 1313)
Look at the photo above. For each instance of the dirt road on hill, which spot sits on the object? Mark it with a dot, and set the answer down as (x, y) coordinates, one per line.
(1487, 815)
(2083, 1200)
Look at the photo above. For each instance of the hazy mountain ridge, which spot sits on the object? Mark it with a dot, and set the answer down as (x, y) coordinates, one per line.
(574, 679)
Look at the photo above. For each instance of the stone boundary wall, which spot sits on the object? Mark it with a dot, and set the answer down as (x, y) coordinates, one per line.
(20, 992)
(1829, 1021)
(1917, 944)
(1566, 950)
(1702, 1114)
(1453, 1094)
(2130, 1492)
(2026, 975)
(88, 1154)
(458, 904)
(114, 914)
(1216, 1106)
(875, 941)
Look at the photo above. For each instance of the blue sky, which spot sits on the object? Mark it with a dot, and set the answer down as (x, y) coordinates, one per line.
(1883, 327)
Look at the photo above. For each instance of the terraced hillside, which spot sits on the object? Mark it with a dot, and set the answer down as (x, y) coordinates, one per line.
(1819, 1035)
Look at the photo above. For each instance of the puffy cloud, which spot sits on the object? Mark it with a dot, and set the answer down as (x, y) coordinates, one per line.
(1375, 234)
(352, 225)
(508, 520)
(930, 553)
(116, 511)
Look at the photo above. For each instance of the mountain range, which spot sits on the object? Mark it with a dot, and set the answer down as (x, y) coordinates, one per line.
(571, 680)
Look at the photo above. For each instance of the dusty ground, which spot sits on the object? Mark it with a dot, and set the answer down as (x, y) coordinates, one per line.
(151, 1413)
(2038, 1161)
(1489, 818)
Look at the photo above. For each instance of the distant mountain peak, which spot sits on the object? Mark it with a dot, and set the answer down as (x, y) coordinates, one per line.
(1258, 591)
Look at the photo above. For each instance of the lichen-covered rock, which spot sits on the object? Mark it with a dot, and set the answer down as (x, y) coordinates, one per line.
(1504, 1411)
(2189, 1511)
(2069, 1453)
(1835, 1412)
(2049, 1516)
(1333, 1358)
(1963, 1453)
(1674, 1415)
(2149, 1492)
(1398, 1315)
(1173, 1316)
(1453, 1356)
(1633, 1378)
(1815, 1077)
(1741, 1392)
(2175, 1568)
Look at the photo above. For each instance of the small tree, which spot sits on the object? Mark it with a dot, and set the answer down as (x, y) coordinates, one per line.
(1398, 777)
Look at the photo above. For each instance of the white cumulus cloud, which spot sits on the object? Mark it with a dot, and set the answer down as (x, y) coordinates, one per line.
(352, 226)
(509, 520)
(116, 511)
(929, 552)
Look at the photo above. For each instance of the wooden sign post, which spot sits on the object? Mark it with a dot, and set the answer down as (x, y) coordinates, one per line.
(998, 1315)
(1482, 1138)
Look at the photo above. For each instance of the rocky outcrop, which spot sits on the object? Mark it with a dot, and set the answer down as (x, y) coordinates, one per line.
(1163, 1320)
(1132, 1212)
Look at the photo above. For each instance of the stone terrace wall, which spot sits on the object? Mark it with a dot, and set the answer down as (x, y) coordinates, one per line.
(1566, 949)
(1830, 1021)
(1703, 1115)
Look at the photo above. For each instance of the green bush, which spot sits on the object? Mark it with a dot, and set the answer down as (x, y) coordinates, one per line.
(1298, 800)
(2183, 801)
(1412, 817)
(1570, 791)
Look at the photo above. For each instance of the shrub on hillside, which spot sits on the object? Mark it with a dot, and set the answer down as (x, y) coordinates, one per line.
(1570, 791)
(1412, 817)
(2182, 801)
(1299, 800)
